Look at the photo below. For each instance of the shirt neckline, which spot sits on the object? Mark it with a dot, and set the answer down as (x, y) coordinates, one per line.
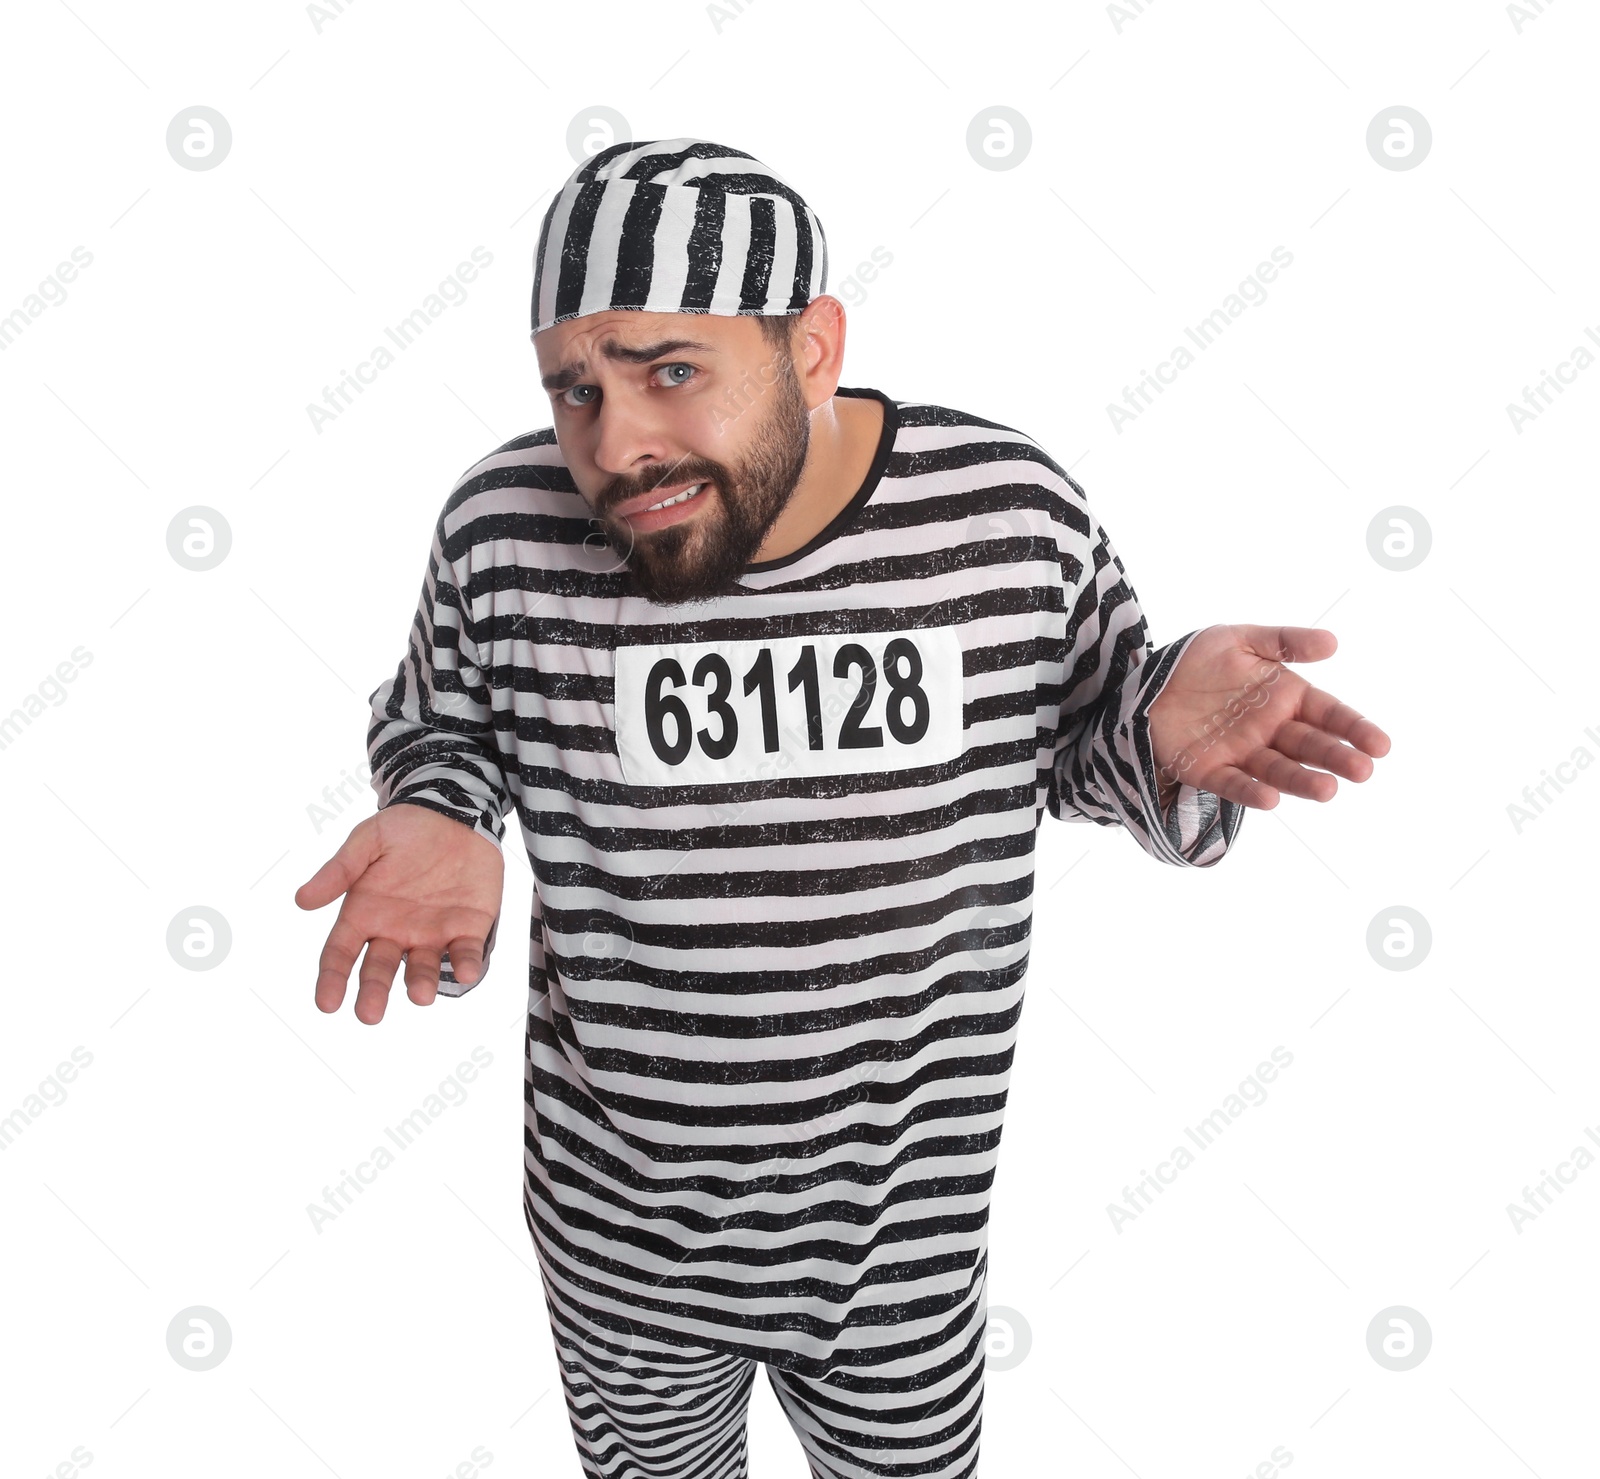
(869, 484)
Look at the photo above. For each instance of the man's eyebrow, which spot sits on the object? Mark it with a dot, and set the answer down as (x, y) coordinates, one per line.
(569, 374)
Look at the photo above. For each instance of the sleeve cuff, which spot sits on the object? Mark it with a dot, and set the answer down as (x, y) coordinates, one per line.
(1199, 826)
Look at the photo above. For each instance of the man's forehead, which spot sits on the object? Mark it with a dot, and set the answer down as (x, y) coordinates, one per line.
(630, 326)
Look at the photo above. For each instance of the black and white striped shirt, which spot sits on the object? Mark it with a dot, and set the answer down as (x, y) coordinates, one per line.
(782, 846)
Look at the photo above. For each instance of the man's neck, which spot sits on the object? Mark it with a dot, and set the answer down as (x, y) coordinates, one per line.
(844, 437)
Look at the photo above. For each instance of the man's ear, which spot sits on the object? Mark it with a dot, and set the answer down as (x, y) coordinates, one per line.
(817, 348)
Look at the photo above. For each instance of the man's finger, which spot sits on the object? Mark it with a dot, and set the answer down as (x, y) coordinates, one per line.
(377, 977)
(1332, 714)
(1317, 747)
(466, 960)
(1233, 784)
(422, 975)
(336, 875)
(1277, 770)
(335, 963)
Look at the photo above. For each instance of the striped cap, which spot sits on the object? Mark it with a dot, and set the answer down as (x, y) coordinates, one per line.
(676, 226)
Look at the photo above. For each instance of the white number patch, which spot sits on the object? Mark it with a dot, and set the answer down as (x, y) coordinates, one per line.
(698, 713)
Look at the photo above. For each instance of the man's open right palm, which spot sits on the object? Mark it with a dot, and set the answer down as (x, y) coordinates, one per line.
(416, 884)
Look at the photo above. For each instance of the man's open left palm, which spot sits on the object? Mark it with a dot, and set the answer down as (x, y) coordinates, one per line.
(1233, 720)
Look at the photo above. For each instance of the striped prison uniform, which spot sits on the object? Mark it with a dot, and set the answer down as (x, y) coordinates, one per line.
(782, 848)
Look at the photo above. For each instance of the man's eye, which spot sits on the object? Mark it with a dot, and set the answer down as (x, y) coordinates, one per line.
(589, 399)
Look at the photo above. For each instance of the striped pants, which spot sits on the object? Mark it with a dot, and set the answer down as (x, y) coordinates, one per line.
(641, 1409)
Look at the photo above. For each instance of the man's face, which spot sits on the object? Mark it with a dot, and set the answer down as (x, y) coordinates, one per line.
(664, 401)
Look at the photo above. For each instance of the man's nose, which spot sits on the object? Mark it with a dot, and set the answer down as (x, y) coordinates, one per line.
(631, 437)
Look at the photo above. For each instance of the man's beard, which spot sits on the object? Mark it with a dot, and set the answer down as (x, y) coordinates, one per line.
(704, 555)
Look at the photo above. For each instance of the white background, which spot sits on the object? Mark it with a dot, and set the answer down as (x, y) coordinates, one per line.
(1170, 152)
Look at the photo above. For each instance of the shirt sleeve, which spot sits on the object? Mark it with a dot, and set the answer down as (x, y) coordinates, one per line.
(431, 741)
(1104, 768)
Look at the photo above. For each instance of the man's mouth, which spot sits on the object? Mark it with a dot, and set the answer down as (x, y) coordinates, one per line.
(682, 497)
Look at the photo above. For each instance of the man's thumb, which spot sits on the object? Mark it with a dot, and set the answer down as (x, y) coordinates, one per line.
(336, 875)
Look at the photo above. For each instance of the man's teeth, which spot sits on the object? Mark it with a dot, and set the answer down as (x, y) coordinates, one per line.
(683, 497)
